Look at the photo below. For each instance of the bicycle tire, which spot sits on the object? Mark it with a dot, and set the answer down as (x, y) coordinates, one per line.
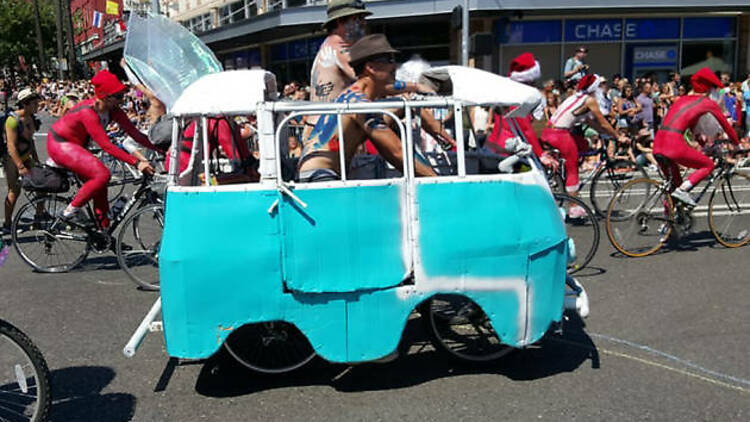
(273, 347)
(36, 224)
(138, 244)
(641, 210)
(730, 206)
(118, 176)
(600, 192)
(459, 328)
(26, 394)
(584, 231)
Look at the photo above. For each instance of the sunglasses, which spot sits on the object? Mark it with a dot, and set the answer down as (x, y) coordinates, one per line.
(384, 59)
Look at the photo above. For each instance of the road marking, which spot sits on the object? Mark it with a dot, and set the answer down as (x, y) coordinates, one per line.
(661, 365)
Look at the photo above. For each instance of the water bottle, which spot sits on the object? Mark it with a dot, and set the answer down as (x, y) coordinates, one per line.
(118, 206)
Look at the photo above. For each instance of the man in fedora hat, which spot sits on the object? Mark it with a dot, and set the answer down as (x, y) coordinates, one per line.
(373, 61)
(331, 72)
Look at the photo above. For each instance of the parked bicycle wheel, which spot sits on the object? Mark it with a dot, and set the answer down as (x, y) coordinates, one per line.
(582, 226)
(639, 218)
(458, 327)
(45, 242)
(138, 245)
(270, 347)
(24, 378)
(729, 211)
(609, 179)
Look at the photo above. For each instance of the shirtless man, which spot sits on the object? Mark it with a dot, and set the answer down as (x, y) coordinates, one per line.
(331, 71)
(375, 67)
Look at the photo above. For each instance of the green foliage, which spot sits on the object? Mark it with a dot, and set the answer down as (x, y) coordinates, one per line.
(18, 34)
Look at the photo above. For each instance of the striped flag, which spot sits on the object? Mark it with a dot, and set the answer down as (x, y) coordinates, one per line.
(97, 19)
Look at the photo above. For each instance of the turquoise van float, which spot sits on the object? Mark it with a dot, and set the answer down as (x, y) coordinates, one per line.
(278, 272)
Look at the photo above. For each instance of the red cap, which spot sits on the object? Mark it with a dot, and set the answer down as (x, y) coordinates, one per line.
(704, 80)
(524, 68)
(106, 84)
(585, 83)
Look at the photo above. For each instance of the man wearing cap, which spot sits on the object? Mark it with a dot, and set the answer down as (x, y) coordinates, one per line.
(20, 126)
(372, 59)
(331, 71)
(69, 135)
(575, 68)
(685, 114)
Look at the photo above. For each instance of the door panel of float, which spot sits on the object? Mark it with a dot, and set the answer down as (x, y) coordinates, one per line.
(347, 239)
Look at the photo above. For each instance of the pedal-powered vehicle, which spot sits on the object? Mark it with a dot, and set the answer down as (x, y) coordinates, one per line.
(278, 272)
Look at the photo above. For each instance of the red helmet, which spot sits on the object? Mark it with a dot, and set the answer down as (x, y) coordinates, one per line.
(106, 84)
(704, 79)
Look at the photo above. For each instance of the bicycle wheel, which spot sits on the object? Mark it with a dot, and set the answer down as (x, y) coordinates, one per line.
(24, 378)
(45, 242)
(609, 179)
(584, 230)
(270, 347)
(138, 243)
(729, 211)
(118, 176)
(639, 218)
(459, 328)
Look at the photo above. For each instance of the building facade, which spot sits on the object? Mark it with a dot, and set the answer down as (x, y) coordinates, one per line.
(658, 37)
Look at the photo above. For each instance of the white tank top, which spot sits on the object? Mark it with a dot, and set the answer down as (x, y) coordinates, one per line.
(564, 117)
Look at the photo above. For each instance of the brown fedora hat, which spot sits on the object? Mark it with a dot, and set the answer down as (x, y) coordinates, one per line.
(370, 46)
(342, 8)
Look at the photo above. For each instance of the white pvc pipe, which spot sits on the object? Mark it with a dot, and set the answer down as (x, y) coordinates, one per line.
(142, 330)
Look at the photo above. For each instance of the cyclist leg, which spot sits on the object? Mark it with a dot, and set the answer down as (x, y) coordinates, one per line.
(95, 175)
(563, 141)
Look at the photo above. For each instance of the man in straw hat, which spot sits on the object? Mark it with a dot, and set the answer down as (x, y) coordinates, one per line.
(331, 72)
(373, 61)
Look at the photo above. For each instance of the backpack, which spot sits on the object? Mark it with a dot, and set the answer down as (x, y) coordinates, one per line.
(46, 179)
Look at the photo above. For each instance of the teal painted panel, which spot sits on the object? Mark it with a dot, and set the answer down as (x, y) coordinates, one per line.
(346, 240)
(546, 280)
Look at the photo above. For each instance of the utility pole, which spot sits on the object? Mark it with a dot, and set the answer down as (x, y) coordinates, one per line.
(465, 35)
(59, 27)
(70, 39)
(39, 43)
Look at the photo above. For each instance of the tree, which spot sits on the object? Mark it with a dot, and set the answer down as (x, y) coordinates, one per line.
(17, 31)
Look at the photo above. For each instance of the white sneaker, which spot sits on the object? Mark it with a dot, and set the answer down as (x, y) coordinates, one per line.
(683, 197)
(576, 211)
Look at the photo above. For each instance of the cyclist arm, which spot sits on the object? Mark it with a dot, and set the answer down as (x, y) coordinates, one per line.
(97, 133)
(11, 135)
(388, 144)
(433, 127)
(593, 106)
(714, 109)
(128, 127)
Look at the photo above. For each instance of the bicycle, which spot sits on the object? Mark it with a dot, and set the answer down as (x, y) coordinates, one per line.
(615, 171)
(24, 378)
(63, 245)
(584, 231)
(643, 215)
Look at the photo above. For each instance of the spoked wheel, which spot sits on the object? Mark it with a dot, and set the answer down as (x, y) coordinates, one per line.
(118, 176)
(138, 246)
(24, 378)
(458, 326)
(729, 211)
(609, 179)
(639, 218)
(45, 242)
(270, 347)
(582, 226)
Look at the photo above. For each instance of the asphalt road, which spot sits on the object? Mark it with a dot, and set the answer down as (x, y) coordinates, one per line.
(667, 339)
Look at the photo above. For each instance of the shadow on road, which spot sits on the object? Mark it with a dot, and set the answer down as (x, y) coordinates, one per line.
(693, 241)
(77, 396)
(221, 376)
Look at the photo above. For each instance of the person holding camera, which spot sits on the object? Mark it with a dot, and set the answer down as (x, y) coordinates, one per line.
(575, 67)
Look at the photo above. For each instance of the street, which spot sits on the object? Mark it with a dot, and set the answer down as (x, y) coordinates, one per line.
(667, 339)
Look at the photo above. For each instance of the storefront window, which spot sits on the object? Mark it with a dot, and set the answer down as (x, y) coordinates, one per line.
(716, 55)
(547, 55)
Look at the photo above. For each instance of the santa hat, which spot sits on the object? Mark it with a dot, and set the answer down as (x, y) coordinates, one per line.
(525, 69)
(704, 80)
(106, 84)
(589, 83)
